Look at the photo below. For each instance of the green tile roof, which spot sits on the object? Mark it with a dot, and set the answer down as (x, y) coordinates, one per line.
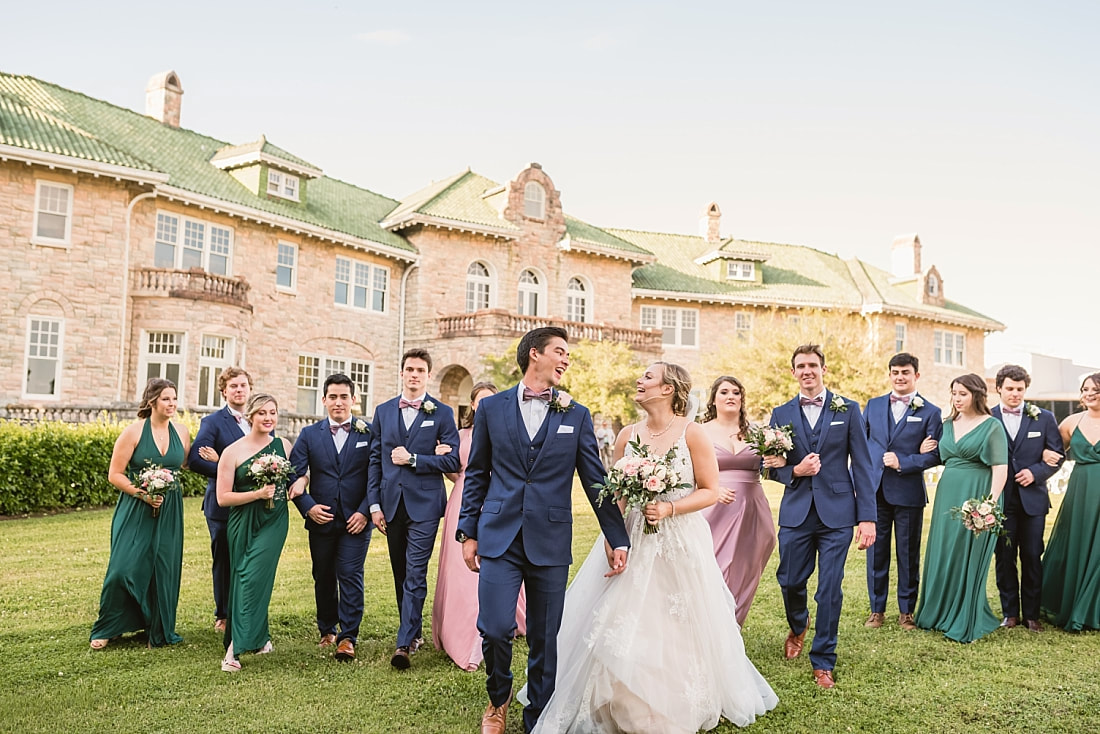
(263, 146)
(585, 232)
(904, 297)
(54, 119)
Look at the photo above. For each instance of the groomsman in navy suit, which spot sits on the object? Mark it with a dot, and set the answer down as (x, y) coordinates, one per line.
(827, 490)
(897, 425)
(218, 430)
(336, 454)
(406, 492)
(1033, 442)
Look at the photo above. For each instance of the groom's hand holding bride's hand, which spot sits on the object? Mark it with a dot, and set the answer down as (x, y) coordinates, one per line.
(470, 556)
(616, 559)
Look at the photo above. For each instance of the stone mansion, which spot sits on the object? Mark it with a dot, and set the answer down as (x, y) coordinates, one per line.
(135, 248)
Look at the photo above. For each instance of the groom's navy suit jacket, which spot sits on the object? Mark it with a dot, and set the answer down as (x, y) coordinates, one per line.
(217, 430)
(841, 495)
(507, 491)
(1026, 452)
(336, 480)
(902, 487)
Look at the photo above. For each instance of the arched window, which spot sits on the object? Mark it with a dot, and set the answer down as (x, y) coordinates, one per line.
(933, 284)
(576, 301)
(530, 294)
(534, 201)
(477, 287)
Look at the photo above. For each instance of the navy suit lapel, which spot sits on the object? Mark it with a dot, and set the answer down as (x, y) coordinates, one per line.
(826, 418)
(416, 421)
(513, 420)
(553, 421)
(802, 434)
(1025, 424)
(328, 445)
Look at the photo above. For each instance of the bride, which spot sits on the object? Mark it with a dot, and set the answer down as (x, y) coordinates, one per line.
(657, 649)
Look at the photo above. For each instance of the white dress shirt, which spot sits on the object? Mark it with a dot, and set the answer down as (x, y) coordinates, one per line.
(242, 422)
(813, 412)
(898, 409)
(1012, 422)
(533, 412)
(340, 437)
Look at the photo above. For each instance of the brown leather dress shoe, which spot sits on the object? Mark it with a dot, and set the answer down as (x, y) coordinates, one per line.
(400, 659)
(1009, 622)
(905, 621)
(875, 621)
(792, 646)
(345, 650)
(1034, 626)
(495, 718)
(327, 640)
(824, 678)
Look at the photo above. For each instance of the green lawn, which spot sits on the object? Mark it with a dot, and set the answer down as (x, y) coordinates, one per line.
(52, 567)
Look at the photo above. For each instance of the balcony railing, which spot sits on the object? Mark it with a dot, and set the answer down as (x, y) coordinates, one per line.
(196, 284)
(499, 322)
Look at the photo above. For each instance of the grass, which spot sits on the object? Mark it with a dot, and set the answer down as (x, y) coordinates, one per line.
(51, 569)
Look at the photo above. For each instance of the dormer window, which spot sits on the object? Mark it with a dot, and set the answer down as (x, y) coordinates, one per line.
(740, 270)
(933, 285)
(282, 185)
(534, 201)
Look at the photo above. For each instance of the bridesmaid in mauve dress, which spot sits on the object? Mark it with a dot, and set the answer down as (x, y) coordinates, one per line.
(741, 521)
(454, 608)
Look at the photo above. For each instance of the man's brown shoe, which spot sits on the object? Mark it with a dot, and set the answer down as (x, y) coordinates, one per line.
(792, 646)
(327, 640)
(400, 659)
(905, 621)
(824, 679)
(345, 650)
(875, 620)
(1009, 622)
(495, 718)
(1034, 626)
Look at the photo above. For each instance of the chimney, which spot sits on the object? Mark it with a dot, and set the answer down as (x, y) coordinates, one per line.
(905, 256)
(710, 223)
(162, 98)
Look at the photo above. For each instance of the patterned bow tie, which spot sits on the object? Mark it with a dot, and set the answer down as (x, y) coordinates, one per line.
(900, 399)
(335, 429)
(529, 394)
(1011, 411)
(818, 401)
(409, 404)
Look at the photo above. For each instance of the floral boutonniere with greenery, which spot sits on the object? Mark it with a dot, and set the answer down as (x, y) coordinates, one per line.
(428, 407)
(359, 425)
(837, 405)
(561, 402)
(916, 403)
(1032, 411)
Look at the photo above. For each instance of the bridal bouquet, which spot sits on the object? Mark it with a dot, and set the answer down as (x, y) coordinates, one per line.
(155, 480)
(769, 441)
(638, 477)
(271, 469)
(981, 515)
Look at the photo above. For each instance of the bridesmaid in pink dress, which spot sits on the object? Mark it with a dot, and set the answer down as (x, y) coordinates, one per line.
(454, 609)
(741, 521)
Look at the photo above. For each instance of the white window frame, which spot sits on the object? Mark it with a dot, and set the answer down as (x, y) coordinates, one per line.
(933, 284)
(147, 358)
(578, 300)
(479, 287)
(740, 270)
(314, 368)
(214, 366)
(291, 267)
(949, 348)
(679, 320)
(742, 325)
(36, 238)
(534, 200)
(363, 278)
(901, 335)
(525, 290)
(34, 351)
(179, 240)
(282, 184)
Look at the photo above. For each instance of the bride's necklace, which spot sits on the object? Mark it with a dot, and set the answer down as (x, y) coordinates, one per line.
(661, 432)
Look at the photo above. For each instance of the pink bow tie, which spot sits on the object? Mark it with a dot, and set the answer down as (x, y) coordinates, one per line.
(1011, 411)
(529, 394)
(900, 399)
(409, 404)
(818, 401)
(335, 429)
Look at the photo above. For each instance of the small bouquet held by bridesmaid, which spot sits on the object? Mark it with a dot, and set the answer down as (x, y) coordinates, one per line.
(980, 516)
(769, 441)
(271, 469)
(155, 480)
(639, 477)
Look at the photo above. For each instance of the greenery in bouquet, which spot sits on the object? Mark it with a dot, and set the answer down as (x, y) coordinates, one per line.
(271, 469)
(639, 476)
(770, 441)
(155, 480)
(981, 516)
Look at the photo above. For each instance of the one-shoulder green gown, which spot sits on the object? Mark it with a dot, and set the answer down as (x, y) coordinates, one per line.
(956, 562)
(1071, 564)
(142, 585)
(256, 536)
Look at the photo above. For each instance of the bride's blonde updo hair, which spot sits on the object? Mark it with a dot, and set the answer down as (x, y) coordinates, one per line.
(680, 380)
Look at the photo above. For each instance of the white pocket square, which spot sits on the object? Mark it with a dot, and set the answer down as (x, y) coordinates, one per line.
(837, 423)
(361, 444)
(425, 424)
(1034, 434)
(912, 419)
(565, 429)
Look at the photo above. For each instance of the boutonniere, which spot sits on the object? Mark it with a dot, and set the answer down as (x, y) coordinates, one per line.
(837, 405)
(428, 407)
(561, 402)
(916, 403)
(1032, 411)
(359, 425)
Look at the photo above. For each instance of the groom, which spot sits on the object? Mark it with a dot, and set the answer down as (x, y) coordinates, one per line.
(822, 499)
(516, 521)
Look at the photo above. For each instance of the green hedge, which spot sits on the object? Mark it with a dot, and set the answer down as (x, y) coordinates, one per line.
(53, 465)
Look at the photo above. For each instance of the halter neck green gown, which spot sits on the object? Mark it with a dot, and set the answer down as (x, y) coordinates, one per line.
(142, 585)
(1071, 565)
(956, 562)
(256, 536)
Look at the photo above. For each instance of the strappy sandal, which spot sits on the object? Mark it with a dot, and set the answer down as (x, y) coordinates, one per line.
(231, 665)
(265, 649)
(99, 644)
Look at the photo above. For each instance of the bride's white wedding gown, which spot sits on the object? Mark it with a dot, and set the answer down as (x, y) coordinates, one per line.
(656, 649)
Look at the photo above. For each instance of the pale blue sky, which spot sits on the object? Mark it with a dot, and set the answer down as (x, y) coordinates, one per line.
(833, 125)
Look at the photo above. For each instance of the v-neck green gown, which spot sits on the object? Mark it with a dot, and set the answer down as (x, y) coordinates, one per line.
(953, 596)
(142, 585)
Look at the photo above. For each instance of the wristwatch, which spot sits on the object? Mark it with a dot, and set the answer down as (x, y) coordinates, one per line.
(462, 537)
(412, 461)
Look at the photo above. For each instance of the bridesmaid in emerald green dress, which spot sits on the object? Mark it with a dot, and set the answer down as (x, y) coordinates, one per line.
(974, 451)
(1071, 566)
(256, 532)
(142, 585)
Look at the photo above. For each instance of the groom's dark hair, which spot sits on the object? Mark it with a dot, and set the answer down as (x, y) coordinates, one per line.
(904, 359)
(1012, 372)
(536, 339)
